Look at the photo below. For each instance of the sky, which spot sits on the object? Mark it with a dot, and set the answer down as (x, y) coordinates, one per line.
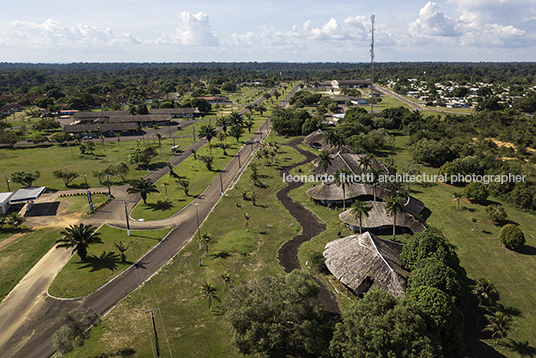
(59, 31)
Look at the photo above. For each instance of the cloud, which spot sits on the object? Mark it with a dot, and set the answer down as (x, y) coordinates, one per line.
(353, 28)
(53, 35)
(195, 30)
(433, 22)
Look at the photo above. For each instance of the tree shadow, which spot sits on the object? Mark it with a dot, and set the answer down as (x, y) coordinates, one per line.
(512, 311)
(222, 255)
(522, 348)
(124, 352)
(527, 250)
(106, 260)
(474, 324)
(78, 186)
(160, 205)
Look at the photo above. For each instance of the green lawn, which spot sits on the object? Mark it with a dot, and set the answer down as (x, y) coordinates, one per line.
(190, 329)
(79, 203)
(53, 157)
(19, 256)
(78, 278)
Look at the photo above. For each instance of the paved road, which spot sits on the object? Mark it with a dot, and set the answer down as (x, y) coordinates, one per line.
(32, 336)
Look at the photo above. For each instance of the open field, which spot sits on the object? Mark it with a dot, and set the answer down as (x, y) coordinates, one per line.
(47, 159)
(78, 278)
(190, 329)
(21, 253)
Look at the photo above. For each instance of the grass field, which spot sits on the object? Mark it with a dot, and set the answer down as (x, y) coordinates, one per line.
(190, 329)
(78, 278)
(20, 254)
(47, 159)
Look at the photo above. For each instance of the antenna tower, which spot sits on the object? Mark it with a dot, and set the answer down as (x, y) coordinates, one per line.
(372, 18)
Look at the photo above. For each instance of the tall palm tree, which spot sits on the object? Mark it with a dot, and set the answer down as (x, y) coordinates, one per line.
(341, 179)
(118, 135)
(334, 139)
(226, 277)
(165, 185)
(500, 324)
(474, 221)
(184, 183)
(79, 237)
(247, 216)
(159, 137)
(142, 186)
(236, 119)
(394, 206)
(359, 209)
(206, 240)
(208, 160)
(324, 159)
(207, 131)
(484, 291)
(224, 122)
(223, 146)
(375, 173)
(457, 195)
(209, 291)
(237, 132)
(365, 162)
(170, 167)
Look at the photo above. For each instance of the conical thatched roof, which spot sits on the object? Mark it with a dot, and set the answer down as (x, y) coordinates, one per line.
(333, 192)
(358, 259)
(316, 139)
(379, 217)
(350, 161)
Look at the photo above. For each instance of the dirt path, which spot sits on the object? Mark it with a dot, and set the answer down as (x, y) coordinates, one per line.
(311, 227)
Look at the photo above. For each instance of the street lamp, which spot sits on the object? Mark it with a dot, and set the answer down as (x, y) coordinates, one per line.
(239, 165)
(126, 217)
(85, 178)
(7, 182)
(221, 184)
(198, 229)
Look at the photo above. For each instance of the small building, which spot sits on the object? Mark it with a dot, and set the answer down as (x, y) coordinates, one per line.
(316, 140)
(28, 195)
(350, 161)
(350, 83)
(188, 112)
(4, 202)
(365, 262)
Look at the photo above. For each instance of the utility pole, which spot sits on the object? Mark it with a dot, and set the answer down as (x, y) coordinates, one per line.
(154, 329)
(221, 184)
(7, 182)
(372, 19)
(198, 229)
(126, 217)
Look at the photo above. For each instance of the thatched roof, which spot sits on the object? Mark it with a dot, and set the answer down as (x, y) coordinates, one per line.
(332, 192)
(350, 161)
(379, 217)
(354, 259)
(317, 139)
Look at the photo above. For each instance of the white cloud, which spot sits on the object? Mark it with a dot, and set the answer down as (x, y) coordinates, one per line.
(433, 22)
(53, 35)
(195, 30)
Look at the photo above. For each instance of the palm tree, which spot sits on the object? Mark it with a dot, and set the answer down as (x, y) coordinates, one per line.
(222, 136)
(249, 124)
(341, 179)
(457, 195)
(79, 237)
(237, 132)
(184, 183)
(224, 122)
(247, 217)
(159, 137)
(194, 153)
(223, 146)
(394, 206)
(500, 324)
(261, 109)
(236, 119)
(474, 221)
(365, 162)
(142, 186)
(208, 291)
(254, 177)
(170, 167)
(207, 131)
(165, 185)
(359, 209)
(226, 277)
(205, 240)
(375, 173)
(334, 139)
(484, 291)
(118, 135)
(208, 160)
(324, 159)
(15, 219)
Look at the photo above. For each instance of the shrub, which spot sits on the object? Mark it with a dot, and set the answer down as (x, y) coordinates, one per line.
(511, 237)
(476, 190)
(496, 213)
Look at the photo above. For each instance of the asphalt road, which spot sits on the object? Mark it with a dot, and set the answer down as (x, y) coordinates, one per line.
(32, 338)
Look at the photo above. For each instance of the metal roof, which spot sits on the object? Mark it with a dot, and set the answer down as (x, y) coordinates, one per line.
(27, 194)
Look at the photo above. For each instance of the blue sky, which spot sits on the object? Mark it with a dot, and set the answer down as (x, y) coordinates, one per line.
(295, 31)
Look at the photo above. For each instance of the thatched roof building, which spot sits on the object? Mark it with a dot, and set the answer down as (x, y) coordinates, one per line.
(317, 140)
(330, 192)
(364, 262)
(379, 219)
(350, 161)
